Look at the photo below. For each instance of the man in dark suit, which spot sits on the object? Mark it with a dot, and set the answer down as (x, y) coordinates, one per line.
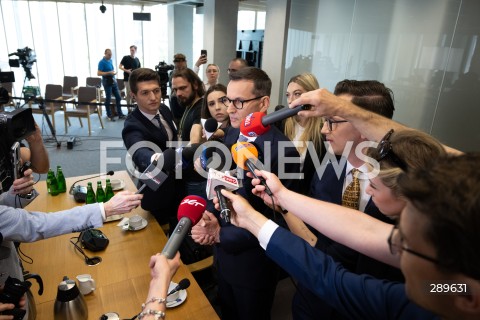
(332, 184)
(146, 132)
(246, 277)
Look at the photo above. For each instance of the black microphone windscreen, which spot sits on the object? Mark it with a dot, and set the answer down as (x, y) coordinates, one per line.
(189, 151)
(168, 160)
(110, 173)
(211, 125)
(184, 284)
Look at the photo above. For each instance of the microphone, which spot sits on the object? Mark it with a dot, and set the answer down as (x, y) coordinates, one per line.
(187, 154)
(244, 154)
(189, 213)
(257, 123)
(182, 285)
(212, 129)
(80, 192)
(216, 182)
(151, 178)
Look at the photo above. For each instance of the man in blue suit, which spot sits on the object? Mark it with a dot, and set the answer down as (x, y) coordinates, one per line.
(247, 278)
(331, 185)
(151, 124)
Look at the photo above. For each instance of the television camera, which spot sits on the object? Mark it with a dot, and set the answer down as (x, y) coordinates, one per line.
(14, 127)
(162, 69)
(26, 57)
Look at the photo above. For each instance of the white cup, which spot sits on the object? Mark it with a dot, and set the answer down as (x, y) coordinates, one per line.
(135, 221)
(86, 284)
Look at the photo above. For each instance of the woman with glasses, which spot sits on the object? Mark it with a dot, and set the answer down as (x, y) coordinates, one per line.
(302, 131)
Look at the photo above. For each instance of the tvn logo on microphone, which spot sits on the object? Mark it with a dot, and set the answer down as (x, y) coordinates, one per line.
(246, 123)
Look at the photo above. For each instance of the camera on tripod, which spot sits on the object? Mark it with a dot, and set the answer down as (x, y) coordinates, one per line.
(14, 127)
(26, 57)
(162, 69)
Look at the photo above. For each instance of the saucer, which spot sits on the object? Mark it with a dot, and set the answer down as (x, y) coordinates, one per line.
(117, 184)
(182, 296)
(125, 226)
(114, 217)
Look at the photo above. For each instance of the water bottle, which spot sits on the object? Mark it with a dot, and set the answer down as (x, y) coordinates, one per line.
(100, 192)
(90, 194)
(108, 191)
(49, 179)
(53, 183)
(62, 184)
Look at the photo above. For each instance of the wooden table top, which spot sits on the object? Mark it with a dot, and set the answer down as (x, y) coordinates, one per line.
(122, 278)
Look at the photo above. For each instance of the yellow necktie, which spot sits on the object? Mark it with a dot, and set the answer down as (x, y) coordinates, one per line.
(351, 196)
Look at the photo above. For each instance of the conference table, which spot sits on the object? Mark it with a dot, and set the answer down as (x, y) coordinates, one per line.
(122, 278)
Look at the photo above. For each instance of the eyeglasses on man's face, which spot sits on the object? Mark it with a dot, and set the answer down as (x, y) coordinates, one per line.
(395, 244)
(385, 149)
(237, 103)
(332, 123)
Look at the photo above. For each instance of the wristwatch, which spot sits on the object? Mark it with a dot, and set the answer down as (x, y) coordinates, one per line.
(28, 196)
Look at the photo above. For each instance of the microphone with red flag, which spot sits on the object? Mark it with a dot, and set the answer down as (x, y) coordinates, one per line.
(189, 213)
(257, 123)
(245, 154)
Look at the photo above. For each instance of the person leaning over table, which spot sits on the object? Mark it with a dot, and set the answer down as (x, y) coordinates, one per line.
(20, 225)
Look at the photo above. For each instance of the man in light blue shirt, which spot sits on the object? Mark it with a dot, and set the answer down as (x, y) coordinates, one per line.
(105, 69)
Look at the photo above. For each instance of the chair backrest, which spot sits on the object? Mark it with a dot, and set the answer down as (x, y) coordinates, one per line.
(69, 83)
(94, 82)
(120, 84)
(53, 91)
(8, 86)
(85, 96)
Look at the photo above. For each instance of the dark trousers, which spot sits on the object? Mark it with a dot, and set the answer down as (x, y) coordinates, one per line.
(109, 88)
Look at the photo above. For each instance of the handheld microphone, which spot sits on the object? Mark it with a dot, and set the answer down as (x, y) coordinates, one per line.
(244, 154)
(182, 285)
(189, 213)
(212, 129)
(216, 182)
(80, 192)
(257, 123)
(150, 178)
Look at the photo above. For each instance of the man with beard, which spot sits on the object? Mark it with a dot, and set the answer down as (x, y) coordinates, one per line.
(189, 90)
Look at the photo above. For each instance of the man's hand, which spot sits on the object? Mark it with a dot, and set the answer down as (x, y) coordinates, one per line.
(323, 102)
(207, 230)
(122, 202)
(23, 185)
(272, 182)
(201, 60)
(243, 214)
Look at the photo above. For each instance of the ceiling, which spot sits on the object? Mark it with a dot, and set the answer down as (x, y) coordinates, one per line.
(243, 4)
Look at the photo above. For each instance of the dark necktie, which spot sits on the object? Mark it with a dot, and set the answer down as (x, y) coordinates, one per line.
(162, 125)
(351, 196)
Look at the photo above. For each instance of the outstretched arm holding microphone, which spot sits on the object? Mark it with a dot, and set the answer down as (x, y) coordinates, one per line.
(373, 126)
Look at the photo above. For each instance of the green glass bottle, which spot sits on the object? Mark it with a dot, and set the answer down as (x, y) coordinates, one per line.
(90, 194)
(53, 183)
(49, 179)
(100, 192)
(61, 183)
(108, 191)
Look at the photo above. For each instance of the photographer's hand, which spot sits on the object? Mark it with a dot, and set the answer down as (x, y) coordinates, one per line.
(23, 185)
(6, 306)
(37, 154)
